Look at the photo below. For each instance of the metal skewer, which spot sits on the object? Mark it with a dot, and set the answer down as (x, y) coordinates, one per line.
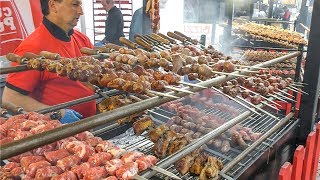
(162, 94)
(179, 90)
(261, 96)
(260, 109)
(137, 177)
(245, 70)
(276, 97)
(285, 92)
(297, 90)
(231, 74)
(165, 172)
(192, 85)
(251, 67)
(234, 99)
(283, 96)
(273, 107)
(298, 85)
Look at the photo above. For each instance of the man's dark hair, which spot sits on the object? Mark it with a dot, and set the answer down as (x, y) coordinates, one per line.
(45, 6)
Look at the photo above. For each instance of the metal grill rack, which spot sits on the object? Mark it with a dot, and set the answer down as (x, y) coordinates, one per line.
(246, 162)
(257, 123)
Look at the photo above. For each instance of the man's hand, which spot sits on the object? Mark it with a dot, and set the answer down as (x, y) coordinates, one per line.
(70, 116)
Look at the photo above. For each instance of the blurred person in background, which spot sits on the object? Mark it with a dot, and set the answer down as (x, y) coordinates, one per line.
(141, 22)
(113, 24)
(286, 17)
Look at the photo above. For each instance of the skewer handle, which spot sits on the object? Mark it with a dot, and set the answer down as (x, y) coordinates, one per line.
(182, 35)
(30, 55)
(14, 58)
(175, 36)
(128, 43)
(168, 38)
(88, 51)
(12, 107)
(103, 49)
(50, 55)
(112, 46)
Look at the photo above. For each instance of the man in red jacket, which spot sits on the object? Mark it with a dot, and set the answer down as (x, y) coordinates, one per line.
(34, 90)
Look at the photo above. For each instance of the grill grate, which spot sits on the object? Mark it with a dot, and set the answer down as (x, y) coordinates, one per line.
(257, 123)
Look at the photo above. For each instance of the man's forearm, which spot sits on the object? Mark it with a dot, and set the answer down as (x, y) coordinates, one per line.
(26, 102)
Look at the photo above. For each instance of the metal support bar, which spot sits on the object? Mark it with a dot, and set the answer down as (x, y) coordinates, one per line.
(13, 69)
(253, 146)
(298, 64)
(311, 77)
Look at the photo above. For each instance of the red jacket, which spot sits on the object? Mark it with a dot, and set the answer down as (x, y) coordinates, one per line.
(47, 87)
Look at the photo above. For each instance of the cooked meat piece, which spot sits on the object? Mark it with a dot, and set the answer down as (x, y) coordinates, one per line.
(205, 71)
(196, 135)
(255, 136)
(61, 70)
(11, 165)
(80, 149)
(218, 66)
(131, 156)
(156, 133)
(48, 172)
(228, 67)
(195, 68)
(116, 83)
(131, 77)
(81, 169)
(144, 162)
(217, 143)
(142, 125)
(191, 60)
(127, 171)
(158, 75)
(171, 78)
(25, 162)
(245, 94)
(177, 144)
(141, 87)
(99, 159)
(66, 175)
(245, 135)
(241, 80)
(113, 165)
(139, 70)
(68, 162)
(153, 62)
(225, 146)
(185, 70)
(161, 146)
(116, 152)
(159, 85)
(32, 168)
(238, 140)
(104, 146)
(128, 86)
(106, 78)
(183, 165)
(198, 164)
(256, 99)
(54, 156)
(193, 76)
(164, 54)
(95, 173)
(178, 62)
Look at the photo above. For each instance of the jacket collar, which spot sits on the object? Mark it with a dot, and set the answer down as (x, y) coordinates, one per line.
(56, 31)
